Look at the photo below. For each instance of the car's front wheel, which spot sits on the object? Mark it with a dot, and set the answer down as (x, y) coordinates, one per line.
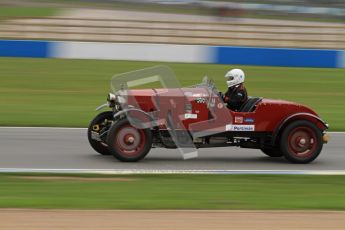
(301, 142)
(97, 132)
(127, 143)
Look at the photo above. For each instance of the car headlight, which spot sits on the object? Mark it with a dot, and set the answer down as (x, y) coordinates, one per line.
(111, 97)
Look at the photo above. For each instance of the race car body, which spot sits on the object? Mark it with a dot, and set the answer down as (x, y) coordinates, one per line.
(197, 117)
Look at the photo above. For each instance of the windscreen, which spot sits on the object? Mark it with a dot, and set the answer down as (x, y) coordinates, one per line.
(159, 84)
(154, 84)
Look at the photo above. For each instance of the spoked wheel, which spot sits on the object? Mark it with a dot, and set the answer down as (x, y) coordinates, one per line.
(301, 142)
(97, 132)
(128, 143)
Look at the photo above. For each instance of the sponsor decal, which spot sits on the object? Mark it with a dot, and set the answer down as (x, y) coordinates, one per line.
(220, 105)
(239, 120)
(201, 100)
(190, 116)
(245, 128)
(249, 120)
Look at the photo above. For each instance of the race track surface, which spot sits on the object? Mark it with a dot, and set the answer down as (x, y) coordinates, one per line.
(59, 148)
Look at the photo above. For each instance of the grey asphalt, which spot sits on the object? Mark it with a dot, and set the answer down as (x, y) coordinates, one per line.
(45, 148)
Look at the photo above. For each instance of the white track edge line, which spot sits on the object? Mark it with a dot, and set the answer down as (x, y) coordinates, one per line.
(143, 171)
(33, 127)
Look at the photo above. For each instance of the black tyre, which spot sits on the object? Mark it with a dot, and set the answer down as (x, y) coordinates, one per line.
(272, 152)
(128, 143)
(98, 127)
(301, 142)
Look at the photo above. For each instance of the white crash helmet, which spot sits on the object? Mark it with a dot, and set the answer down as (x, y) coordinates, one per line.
(235, 77)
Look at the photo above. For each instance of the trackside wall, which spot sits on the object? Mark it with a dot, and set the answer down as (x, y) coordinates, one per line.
(174, 53)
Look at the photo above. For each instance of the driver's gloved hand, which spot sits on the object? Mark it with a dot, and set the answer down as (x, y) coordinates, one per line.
(224, 98)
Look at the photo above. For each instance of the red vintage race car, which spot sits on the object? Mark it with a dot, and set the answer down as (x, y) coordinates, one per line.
(196, 117)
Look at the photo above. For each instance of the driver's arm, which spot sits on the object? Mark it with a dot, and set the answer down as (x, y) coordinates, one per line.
(221, 95)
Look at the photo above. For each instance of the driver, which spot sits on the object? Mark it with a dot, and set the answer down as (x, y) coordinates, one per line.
(237, 93)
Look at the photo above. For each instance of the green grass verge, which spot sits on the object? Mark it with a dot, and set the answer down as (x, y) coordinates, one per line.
(57, 92)
(16, 11)
(290, 192)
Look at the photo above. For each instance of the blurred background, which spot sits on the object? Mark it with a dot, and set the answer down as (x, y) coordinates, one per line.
(61, 54)
(57, 58)
(288, 23)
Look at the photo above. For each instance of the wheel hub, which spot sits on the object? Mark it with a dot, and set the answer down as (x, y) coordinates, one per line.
(129, 139)
(301, 142)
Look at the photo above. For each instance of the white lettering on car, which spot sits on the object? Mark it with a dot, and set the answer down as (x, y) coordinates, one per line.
(190, 116)
(245, 128)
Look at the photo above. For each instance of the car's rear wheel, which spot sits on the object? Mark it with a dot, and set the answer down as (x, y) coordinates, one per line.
(97, 129)
(272, 152)
(301, 142)
(127, 143)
